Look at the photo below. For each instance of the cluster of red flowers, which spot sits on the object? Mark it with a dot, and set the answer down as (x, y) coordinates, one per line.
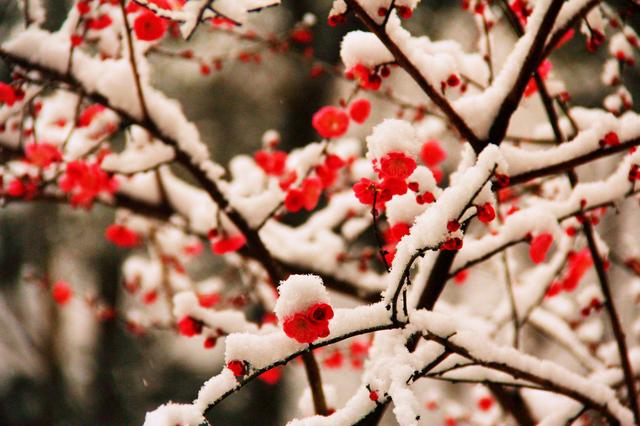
(327, 172)
(122, 236)
(370, 79)
(394, 169)
(23, 187)
(98, 23)
(222, 243)
(308, 193)
(147, 26)
(332, 122)
(190, 327)
(358, 352)
(578, 265)
(272, 162)
(42, 154)
(84, 181)
(307, 327)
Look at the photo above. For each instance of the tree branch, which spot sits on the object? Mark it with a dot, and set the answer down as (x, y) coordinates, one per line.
(402, 60)
(565, 165)
(133, 62)
(530, 64)
(525, 375)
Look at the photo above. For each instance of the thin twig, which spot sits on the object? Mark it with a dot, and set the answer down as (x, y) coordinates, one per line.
(132, 60)
(512, 300)
(376, 231)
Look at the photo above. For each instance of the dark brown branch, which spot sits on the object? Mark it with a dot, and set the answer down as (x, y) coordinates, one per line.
(618, 332)
(27, 16)
(259, 251)
(560, 32)
(376, 230)
(437, 279)
(244, 381)
(530, 64)
(255, 244)
(133, 62)
(164, 211)
(315, 382)
(402, 60)
(513, 403)
(508, 244)
(374, 417)
(566, 165)
(440, 271)
(587, 229)
(512, 300)
(525, 375)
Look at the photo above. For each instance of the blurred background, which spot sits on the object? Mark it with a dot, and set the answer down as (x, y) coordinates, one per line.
(66, 366)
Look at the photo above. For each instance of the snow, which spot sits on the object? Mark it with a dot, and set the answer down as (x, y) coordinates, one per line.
(172, 414)
(610, 72)
(298, 293)
(560, 330)
(325, 243)
(534, 220)
(227, 321)
(363, 48)
(430, 228)
(111, 78)
(392, 135)
(236, 10)
(356, 408)
(490, 99)
(214, 388)
(484, 351)
(305, 404)
(404, 209)
(139, 155)
(593, 129)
